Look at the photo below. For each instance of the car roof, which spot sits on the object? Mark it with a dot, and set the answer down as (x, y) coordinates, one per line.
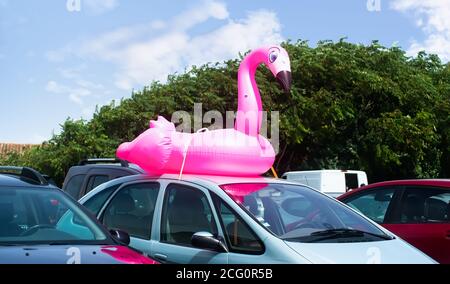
(324, 171)
(202, 180)
(15, 181)
(421, 182)
(86, 168)
(221, 180)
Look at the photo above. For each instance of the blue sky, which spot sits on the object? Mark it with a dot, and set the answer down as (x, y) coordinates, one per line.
(61, 58)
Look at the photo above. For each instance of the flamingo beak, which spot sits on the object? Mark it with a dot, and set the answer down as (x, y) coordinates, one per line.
(285, 80)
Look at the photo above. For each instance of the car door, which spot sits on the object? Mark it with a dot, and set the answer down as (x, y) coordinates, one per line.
(422, 219)
(132, 209)
(186, 210)
(244, 246)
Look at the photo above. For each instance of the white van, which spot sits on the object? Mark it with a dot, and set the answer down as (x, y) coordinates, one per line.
(332, 182)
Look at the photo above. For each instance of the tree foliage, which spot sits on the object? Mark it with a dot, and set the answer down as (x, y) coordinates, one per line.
(351, 107)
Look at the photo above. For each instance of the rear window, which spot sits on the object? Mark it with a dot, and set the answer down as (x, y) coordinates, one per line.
(74, 185)
(351, 181)
(95, 181)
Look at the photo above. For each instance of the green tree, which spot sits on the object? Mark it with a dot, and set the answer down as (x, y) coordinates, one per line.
(352, 106)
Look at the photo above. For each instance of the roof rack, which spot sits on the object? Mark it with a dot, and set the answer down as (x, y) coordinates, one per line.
(24, 172)
(123, 163)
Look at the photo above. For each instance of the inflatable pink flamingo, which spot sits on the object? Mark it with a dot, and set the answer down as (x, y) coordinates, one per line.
(241, 151)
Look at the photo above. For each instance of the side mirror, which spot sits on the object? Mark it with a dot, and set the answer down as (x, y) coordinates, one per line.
(121, 236)
(205, 240)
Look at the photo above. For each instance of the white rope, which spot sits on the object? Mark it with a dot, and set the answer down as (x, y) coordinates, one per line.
(186, 148)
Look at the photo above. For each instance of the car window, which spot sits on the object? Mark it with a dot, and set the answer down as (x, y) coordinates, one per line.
(74, 186)
(425, 205)
(18, 205)
(299, 214)
(240, 238)
(95, 181)
(95, 203)
(42, 216)
(132, 209)
(373, 204)
(351, 181)
(186, 211)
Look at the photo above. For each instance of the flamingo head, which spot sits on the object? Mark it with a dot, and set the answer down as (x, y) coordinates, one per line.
(277, 59)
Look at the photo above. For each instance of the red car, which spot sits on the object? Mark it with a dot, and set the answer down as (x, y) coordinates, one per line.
(418, 211)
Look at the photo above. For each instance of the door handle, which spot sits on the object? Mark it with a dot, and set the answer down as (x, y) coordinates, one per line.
(447, 235)
(161, 257)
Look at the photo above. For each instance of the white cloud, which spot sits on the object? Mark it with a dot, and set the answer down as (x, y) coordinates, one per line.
(77, 92)
(199, 14)
(433, 17)
(100, 6)
(80, 91)
(150, 51)
(158, 25)
(54, 87)
(77, 89)
(141, 55)
(176, 50)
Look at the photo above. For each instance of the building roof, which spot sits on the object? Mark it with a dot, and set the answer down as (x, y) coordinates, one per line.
(6, 148)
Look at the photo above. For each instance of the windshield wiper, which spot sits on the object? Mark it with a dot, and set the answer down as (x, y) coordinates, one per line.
(343, 232)
(336, 234)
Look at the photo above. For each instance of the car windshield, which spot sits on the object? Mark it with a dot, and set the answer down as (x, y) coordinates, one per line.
(300, 214)
(44, 216)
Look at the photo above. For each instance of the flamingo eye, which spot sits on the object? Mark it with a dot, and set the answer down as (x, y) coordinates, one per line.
(273, 56)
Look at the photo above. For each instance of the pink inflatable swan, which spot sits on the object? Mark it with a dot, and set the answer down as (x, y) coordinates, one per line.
(241, 151)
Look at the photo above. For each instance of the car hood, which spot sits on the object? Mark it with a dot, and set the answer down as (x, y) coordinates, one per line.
(389, 252)
(71, 254)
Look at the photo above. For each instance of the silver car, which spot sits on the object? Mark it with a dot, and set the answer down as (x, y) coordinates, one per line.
(230, 220)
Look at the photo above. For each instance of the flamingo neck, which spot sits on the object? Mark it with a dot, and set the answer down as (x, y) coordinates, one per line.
(249, 115)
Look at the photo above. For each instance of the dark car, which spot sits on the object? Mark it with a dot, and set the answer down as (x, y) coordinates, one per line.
(41, 224)
(89, 174)
(416, 210)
